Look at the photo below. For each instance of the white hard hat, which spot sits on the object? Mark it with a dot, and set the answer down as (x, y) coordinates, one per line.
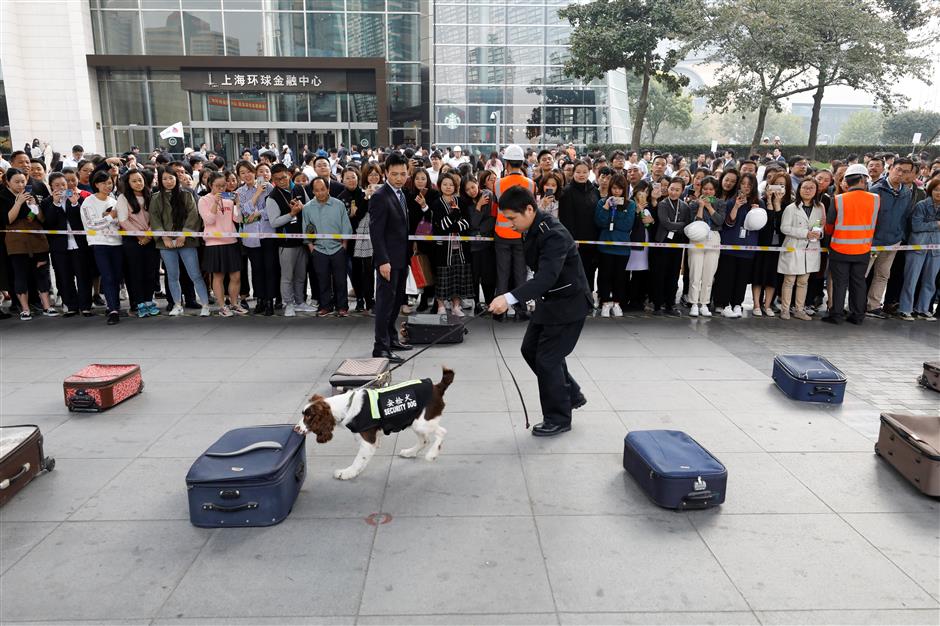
(856, 169)
(457, 149)
(697, 231)
(513, 152)
(755, 219)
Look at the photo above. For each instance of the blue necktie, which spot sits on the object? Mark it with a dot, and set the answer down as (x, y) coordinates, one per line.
(401, 201)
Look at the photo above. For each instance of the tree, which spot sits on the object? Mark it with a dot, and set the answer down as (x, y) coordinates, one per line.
(900, 128)
(734, 127)
(647, 38)
(663, 107)
(857, 44)
(862, 128)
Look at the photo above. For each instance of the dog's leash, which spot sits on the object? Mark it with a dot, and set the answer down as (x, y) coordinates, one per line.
(525, 411)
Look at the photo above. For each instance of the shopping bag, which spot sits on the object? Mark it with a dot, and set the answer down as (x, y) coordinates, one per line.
(421, 270)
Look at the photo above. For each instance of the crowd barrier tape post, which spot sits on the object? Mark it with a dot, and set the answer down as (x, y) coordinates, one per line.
(314, 236)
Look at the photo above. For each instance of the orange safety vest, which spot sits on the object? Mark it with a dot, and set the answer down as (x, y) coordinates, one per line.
(504, 227)
(856, 216)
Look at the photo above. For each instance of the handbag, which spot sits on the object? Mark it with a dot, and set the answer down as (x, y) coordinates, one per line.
(421, 270)
(424, 227)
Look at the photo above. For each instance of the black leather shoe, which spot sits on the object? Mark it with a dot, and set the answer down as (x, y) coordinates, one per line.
(546, 429)
(391, 356)
(269, 308)
(398, 346)
(578, 402)
(829, 319)
(855, 319)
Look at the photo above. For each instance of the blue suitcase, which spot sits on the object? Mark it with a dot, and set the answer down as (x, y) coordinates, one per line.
(249, 477)
(809, 378)
(674, 470)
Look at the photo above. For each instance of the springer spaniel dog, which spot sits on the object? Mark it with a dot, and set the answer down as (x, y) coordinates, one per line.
(370, 412)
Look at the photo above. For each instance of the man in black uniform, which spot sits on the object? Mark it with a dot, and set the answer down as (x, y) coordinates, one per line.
(563, 300)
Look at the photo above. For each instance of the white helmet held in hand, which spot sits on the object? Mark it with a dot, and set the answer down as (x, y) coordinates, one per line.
(697, 231)
(755, 219)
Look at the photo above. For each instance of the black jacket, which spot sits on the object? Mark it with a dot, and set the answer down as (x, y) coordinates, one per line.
(388, 229)
(56, 218)
(560, 286)
(576, 210)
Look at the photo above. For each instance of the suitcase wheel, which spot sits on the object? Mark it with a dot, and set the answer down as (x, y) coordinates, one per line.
(48, 464)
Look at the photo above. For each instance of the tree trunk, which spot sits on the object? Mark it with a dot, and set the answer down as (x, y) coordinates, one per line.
(814, 119)
(761, 120)
(642, 105)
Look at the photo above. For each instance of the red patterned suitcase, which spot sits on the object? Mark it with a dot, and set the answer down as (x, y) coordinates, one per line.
(100, 386)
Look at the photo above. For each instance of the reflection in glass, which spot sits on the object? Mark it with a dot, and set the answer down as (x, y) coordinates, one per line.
(323, 107)
(363, 108)
(244, 34)
(168, 103)
(249, 107)
(284, 35)
(128, 103)
(405, 104)
(117, 32)
(217, 107)
(203, 33)
(404, 38)
(290, 107)
(325, 35)
(163, 33)
(404, 72)
(366, 35)
(365, 5)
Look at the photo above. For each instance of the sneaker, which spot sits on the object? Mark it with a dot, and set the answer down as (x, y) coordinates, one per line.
(343, 313)
(98, 300)
(673, 312)
(605, 309)
(757, 312)
(225, 311)
(177, 310)
(785, 313)
(152, 308)
(204, 312)
(142, 310)
(26, 315)
(769, 312)
(809, 310)
(879, 313)
(67, 312)
(925, 317)
(113, 318)
(907, 317)
(302, 308)
(658, 312)
(616, 311)
(238, 309)
(737, 310)
(87, 314)
(693, 312)
(728, 312)
(703, 311)
(123, 294)
(457, 312)
(50, 312)
(323, 312)
(441, 310)
(289, 311)
(802, 315)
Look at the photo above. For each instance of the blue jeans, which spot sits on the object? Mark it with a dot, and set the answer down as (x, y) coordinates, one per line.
(110, 262)
(171, 259)
(922, 265)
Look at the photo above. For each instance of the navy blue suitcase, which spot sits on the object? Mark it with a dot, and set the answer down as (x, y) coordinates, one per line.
(249, 477)
(674, 470)
(809, 378)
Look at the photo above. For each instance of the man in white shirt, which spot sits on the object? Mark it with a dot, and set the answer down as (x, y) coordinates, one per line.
(436, 163)
(72, 161)
(458, 158)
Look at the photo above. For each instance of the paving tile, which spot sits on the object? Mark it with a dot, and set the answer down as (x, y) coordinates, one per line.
(690, 347)
(325, 496)
(316, 620)
(147, 489)
(54, 496)
(761, 396)
(707, 426)
(633, 572)
(857, 482)
(785, 562)
(192, 370)
(911, 541)
(272, 370)
(280, 563)
(471, 433)
(712, 367)
(619, 369)
(608, 347)
(791, 431)
(18, 538)
(165, 398)
(100, 570)
(912, 617)
(583, 484)
(591, 431)
(307, 346)
(676, 395)
(42, 398)
(530, 393)
(46, 423)
(665, 619)
(192, 434)
(246, 397)
(481, 565)
(107, 435)
(476, 396)
(466, 368)
(477, 619)
(457, 485)
(523, 372)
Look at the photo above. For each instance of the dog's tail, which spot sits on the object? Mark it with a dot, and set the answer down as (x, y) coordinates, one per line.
(446, 379)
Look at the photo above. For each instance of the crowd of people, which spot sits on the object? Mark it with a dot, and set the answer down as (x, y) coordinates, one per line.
(763, 199)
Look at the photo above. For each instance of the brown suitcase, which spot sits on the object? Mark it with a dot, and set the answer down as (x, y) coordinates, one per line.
(911, 443)
(931, 377)
(21, 458)
(353, 373)
(100, 386)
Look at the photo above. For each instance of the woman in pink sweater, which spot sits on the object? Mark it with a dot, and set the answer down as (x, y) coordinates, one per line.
(223, 254)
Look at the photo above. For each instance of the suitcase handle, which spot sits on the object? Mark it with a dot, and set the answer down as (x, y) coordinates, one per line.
(822, 390)
(697, 499)
(82, 401)
(208, 506)
(4, 484)
(259, 445)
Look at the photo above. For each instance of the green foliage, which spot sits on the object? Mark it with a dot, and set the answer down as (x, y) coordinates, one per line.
(900, 128)
(823, 153)
(738, 127)
(862, 127)
(664, 108)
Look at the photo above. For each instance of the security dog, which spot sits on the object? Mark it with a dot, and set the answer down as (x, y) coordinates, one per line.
(370, 412)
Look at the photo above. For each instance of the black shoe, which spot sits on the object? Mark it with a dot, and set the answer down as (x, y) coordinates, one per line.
(87, 314)
(855, 319)
(113, 318)
(398, 346)
(422, 306)
(392, 357)
(877, 313)
(659, 313)
(829, 319)
(193, 306)
(547, 429)
(97, 301)
(479, 309)
(269, 308)
(673, 312)
(578, 402)
(4, 315)
(259, 307)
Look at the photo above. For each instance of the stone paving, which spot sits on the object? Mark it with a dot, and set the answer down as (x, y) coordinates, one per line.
(503, 528)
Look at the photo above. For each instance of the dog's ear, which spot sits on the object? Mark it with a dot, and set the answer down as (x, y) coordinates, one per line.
(318, 418)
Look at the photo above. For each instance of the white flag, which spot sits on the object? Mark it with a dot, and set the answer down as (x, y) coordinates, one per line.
(176, 130)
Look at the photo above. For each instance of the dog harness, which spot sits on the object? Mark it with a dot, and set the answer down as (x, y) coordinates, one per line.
(393, 408)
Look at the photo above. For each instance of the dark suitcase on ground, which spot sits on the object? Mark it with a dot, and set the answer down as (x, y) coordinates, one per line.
(249, 477)
(21, 459)
(911, 444)
(100, 386)
(931, 376)
(427, 328)
(674, 470)
(809, 378)
(353, 373)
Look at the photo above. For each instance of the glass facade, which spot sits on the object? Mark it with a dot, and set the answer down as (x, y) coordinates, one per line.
(498, 78)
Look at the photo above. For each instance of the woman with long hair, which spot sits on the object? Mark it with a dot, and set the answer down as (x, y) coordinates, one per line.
(638, 261)
(173, 209)
(421, 197)
(614, 217)
(479, 203)
(142, 259)
(453, 273)
(735, 266)
(802, 224)
(262, 253)
(706, 207)
(778, 195)
(99, 212)
(222, 258)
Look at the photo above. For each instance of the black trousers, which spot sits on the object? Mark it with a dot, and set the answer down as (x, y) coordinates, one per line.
(365, 275)
(72, 278)
(731, 280)
(331, 274)
(544, 348)
(895, 280)
(638, 282)
(664, 273)
(265, 269)
(26, 266)
(389, 297)
(483, 268)
(612, 278)
(589, 259)
(848, 274)
(142, 270)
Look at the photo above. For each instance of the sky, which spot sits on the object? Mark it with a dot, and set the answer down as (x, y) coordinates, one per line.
(921, 95)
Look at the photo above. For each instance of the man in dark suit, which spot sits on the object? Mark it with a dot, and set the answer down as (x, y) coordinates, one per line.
(388, 230)
(563, 299)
